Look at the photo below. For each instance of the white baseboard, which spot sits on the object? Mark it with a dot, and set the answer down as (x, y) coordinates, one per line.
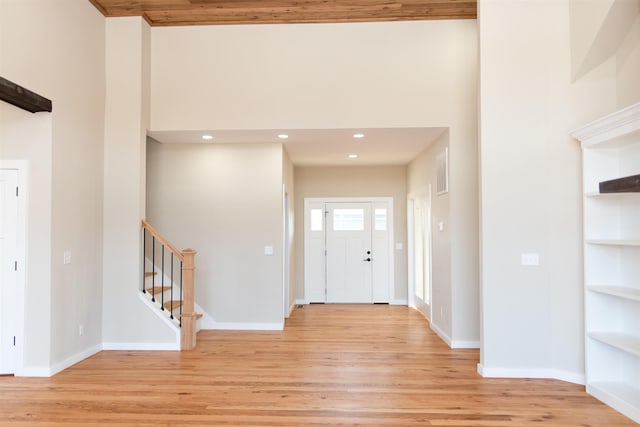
(134, 346)
(399, 302)
(49, 371)
(465, 344)
(446, 338)
(547, 373)
(453, 343)
(34, 371)
(301, 302)
(291, 308)
(231, 326)
(72, 360)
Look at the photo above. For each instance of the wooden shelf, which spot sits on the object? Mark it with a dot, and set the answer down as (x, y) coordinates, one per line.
(624, 342)
(613, 242)
(617, 291)
(612, 195)
(620, 396)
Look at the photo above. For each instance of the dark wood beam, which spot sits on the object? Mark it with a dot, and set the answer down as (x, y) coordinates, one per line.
(23, 98)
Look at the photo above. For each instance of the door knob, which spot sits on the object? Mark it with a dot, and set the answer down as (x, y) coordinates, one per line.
(367, 259)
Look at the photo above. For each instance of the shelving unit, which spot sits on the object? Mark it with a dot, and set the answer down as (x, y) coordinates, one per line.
(610, 150)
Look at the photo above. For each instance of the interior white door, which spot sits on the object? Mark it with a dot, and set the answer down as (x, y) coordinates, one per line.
(349, 257)
(8, 275)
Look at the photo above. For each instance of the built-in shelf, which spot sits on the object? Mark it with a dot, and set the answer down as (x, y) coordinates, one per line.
(624, 342)
(616, 291)
(613, 242)
(612, 195)
(611, 150)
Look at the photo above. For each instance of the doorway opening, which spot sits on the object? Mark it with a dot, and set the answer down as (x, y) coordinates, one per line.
(419, 231)
(348, 250)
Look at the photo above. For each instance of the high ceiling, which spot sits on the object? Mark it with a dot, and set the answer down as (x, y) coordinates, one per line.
(213, 12)
(307, 147)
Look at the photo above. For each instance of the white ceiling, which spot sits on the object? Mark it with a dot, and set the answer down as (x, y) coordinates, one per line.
(324, 147)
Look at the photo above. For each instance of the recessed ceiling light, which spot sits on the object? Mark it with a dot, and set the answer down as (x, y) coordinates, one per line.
(207, 137)
(353, 156)
(283, 136)
(358, 135)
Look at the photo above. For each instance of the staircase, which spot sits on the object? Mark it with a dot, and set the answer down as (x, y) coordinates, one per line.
(168, 283)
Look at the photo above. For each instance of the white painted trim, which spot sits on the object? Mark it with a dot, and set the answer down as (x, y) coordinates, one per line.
(446, 338)
(385, 199)
(613, 126)
(302, 301)
(34, 371)
(556, 374)
(398, 302)
(43, 371)
(233, 326)
(72, 360)
(136, 346)
(22, 167)
(291, 308)
(465, 344)
(163, 315)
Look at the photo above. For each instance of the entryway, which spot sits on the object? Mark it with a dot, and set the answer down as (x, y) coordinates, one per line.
(348, 250)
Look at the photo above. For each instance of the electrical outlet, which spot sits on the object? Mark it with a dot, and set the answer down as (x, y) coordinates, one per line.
(66, 257)
(80, 330)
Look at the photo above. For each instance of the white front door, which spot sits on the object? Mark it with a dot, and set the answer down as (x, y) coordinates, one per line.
(349, 257)
(8, 267)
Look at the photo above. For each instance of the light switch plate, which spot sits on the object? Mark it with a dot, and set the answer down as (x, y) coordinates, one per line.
(530, 259)
(66, 257)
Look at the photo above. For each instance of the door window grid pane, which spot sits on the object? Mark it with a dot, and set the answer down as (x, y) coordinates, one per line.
(316, 219)
(380, 219)
(348, 219)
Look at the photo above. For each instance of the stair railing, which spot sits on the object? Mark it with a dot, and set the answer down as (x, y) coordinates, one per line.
(167, 262)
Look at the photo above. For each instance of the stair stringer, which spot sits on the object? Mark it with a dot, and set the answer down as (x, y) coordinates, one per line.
(155, 308)
(205, 322)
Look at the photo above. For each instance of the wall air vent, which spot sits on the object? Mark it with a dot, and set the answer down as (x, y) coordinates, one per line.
(442, 171)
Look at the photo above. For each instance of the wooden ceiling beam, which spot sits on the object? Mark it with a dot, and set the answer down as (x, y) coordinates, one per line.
(213, 12)
(23, 98)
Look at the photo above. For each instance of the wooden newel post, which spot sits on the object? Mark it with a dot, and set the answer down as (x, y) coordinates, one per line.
(188, 320)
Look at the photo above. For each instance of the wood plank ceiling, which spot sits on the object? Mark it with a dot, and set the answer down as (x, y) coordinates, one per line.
(215, 12)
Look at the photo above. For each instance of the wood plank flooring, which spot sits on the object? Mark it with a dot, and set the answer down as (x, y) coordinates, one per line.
(370, 365)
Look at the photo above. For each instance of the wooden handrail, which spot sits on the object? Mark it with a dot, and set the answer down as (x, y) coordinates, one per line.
(188, 316)
(162, 240)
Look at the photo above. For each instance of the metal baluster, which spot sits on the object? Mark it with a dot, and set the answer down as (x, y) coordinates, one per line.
(162, 282)
(144, 257)
(171, 299)
(153, 269)
(181, 293)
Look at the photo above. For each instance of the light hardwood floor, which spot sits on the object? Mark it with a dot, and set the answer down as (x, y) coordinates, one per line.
(370, 365)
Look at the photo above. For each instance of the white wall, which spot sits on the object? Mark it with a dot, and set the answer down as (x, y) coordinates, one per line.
(56, 49)
(421, 173)
(224, 201)
(364, 181)
(532, 317)
(126, 321)
(393, 74)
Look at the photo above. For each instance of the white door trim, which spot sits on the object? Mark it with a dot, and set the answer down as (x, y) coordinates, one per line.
(308, 201)
(425, 309)
(21, 254)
